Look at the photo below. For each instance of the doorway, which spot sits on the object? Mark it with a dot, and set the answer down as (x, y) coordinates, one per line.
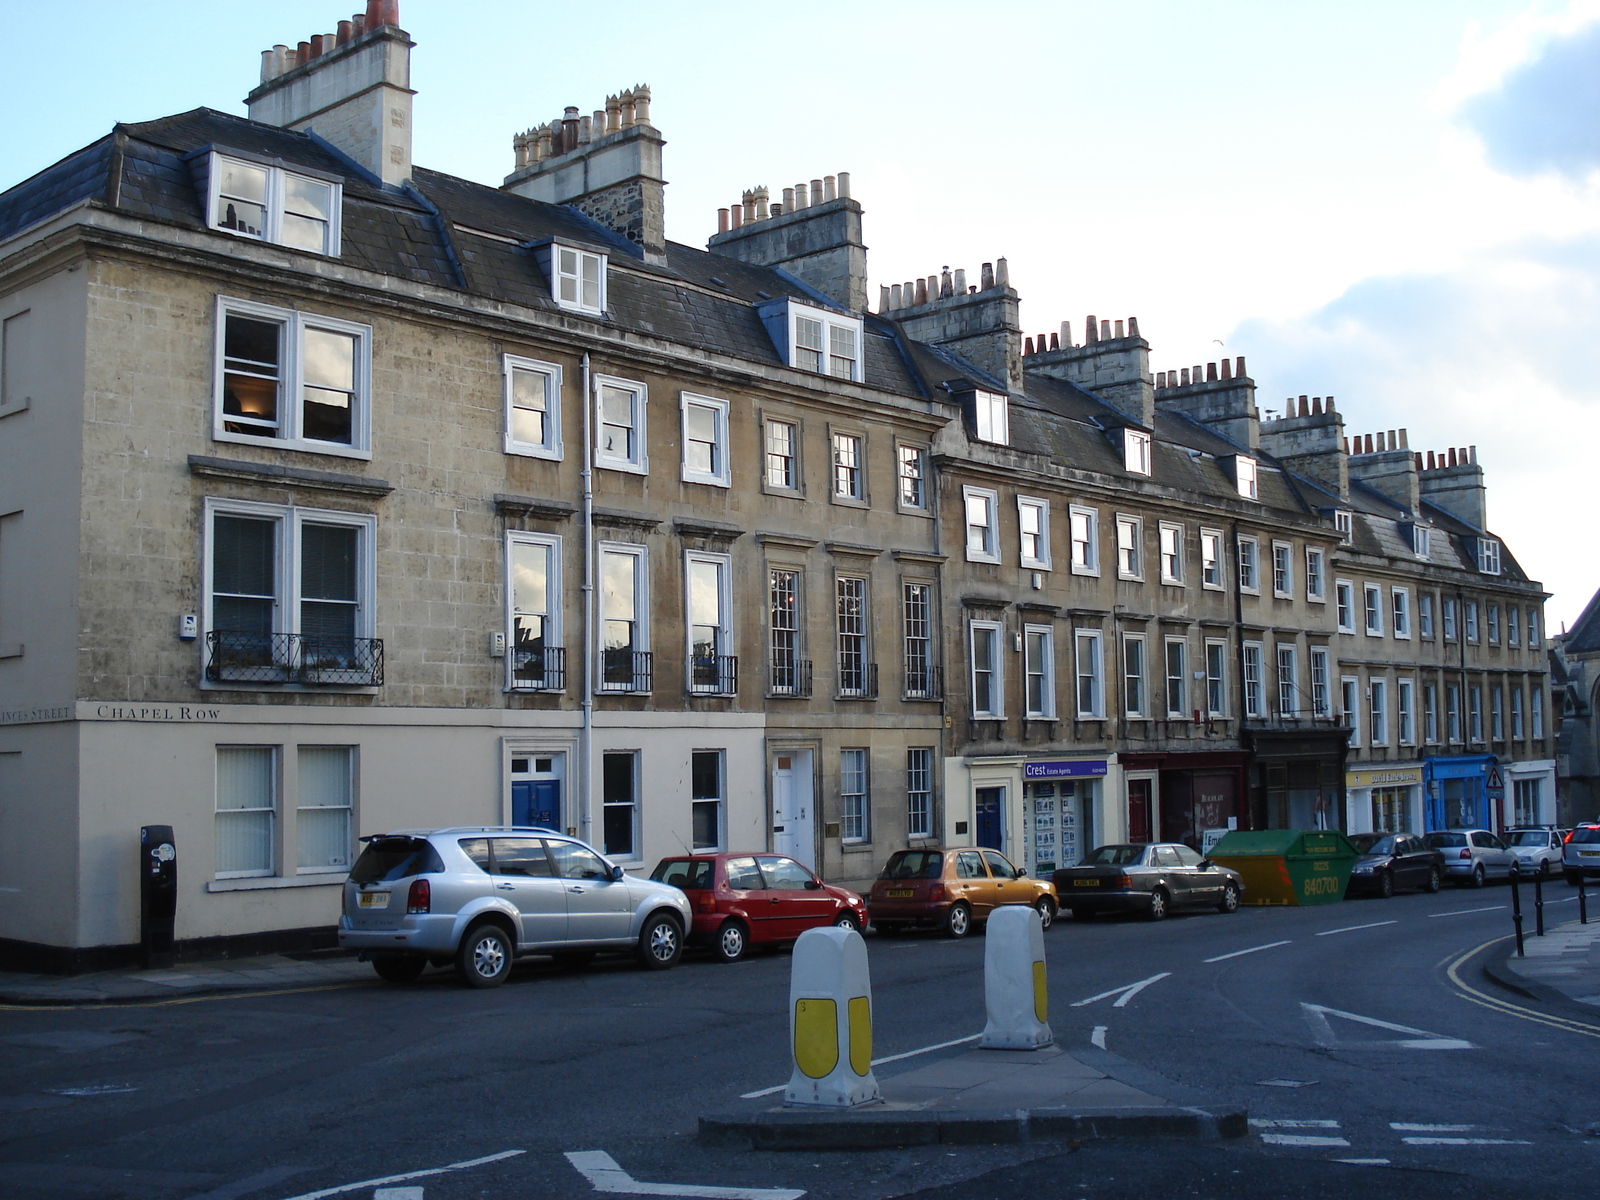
(793, 811)
(1141, 809)
(536, 790)
(990, 801)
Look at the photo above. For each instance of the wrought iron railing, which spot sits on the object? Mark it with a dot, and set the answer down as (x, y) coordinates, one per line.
(924, 683)
(791, 678)
(541, 669)
(858, 682)
(235, 656)
(625, 670)
(713, 674)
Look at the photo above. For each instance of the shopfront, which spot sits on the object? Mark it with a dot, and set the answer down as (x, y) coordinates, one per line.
(1458, 792)
(1189, 798)
(1297, 779)
(1059, 802)
(1383, 798)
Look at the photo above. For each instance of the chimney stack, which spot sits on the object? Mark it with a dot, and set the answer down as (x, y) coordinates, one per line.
(1310, 439)
(353, 89)
(982, 325)
(1113, 363)
(1453, 481)
(817, 240)
(1225, 402)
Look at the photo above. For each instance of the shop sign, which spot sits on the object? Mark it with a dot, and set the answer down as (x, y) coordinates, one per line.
(1390, 777)
(1065, 769)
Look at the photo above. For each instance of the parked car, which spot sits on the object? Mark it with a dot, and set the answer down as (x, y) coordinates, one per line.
(952, 890)
(1391, 860)
(744, 900)
(480, 896)
(1472, 857)
(1535, 850)
(1150, 879)
(1580, 852)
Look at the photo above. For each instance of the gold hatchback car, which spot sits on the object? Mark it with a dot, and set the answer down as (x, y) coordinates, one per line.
(952, 889)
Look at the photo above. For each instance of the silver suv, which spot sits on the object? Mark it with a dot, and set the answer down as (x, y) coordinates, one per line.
(1472, 856)
(480, 895)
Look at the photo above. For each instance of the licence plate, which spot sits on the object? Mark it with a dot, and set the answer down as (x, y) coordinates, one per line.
(374, 900)
(900, 893)
(1085, 883)
(1589, 853)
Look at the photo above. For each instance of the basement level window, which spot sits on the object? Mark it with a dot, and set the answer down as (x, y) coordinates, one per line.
(271, 204)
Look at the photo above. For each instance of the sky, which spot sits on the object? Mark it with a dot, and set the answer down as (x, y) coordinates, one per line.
(1397, 204)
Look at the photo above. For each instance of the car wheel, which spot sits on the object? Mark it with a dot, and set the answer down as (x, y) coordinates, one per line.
(1230, 899)
(483, 959)
(1046, 908)
(1159, 900)
(1544, 868)
(958, 920)
(572, 959)
(660, 942)
(847, 920)
(399, 968)
(1434, 881)
(1385, 884)
(1478, 878)
(733, 942)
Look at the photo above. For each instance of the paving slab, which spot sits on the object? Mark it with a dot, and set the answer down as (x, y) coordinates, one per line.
(1562, 965)
(136, 985)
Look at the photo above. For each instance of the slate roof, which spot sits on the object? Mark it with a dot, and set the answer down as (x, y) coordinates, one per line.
(1584, 636)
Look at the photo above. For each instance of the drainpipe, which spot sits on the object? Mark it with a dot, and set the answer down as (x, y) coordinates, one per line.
(586, 730)
(1247, 800)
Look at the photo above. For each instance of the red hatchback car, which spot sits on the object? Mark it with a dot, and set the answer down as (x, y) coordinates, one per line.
(744, 900)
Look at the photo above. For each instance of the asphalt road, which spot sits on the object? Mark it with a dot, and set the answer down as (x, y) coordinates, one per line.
(1351, 1038)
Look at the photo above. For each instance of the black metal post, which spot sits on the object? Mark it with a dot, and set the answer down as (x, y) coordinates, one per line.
(1583, 902)
(1538, 905)
(1516, 911)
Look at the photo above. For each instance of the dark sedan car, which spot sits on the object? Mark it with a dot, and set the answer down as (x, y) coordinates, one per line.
(1152, 880)
(1394, 860)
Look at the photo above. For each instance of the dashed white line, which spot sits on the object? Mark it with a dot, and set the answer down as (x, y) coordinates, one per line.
(1460, 912)
(1301, 1139)
(1252, 950)
(1464, 1141)
(1408, 1127)
(1098, 1037)
(373, 1183)
(1285, 1123)
(1364, 1162)
(1353, 928)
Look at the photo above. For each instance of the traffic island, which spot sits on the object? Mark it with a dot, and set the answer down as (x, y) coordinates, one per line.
(984, 1097)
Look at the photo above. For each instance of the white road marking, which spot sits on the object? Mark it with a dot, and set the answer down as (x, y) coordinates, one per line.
(98, 1089)
(1317, 1017)
(1461, 1141)
(1098, 1037)
(1364, 1162)
(877, 1062)
(1407, 1127)
(1353, 928)
(1463, 911)
(1301, 1139)
(1252, 950)
(603, 1173)
(405, 1193)
(1126, 992)
(1278, 1123)
(373, 1183)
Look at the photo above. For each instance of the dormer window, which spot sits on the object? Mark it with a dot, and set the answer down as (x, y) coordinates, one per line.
(991, 418)
(814, 339)
(1244, 476)
(1489, 555)
(1345, 522)
(1420, 541)
(579, 280)
(271, 204)
(1136, 451)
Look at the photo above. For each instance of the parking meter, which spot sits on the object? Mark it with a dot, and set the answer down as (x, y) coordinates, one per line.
(158, 894)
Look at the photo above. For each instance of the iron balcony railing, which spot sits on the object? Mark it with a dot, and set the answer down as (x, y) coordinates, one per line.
(924, 683)
(713, 674)
(791, 678)
(625, 670)
(234, 656)
(858, 681)
(541, 669)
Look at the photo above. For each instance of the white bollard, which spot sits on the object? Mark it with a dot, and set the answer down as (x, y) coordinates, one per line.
(830, 1021)
(1014, 981)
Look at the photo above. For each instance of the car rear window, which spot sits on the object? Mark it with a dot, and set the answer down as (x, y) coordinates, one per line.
(914, 864)
(1592, 834)
(1530, 837)
(1113, 856)
(691, 874)
(395, 858)
(1440, 840)
(1374, 843)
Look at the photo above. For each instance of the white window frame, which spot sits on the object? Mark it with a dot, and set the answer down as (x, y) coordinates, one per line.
(989, 552)
(1475, 713)
(697, 801)
(721, 473)
(1452, 713)
(1249, 566)
(558, 277)
(1400, 612)
(1421, 542)
(1372, 609)
(1044, 669)
(857, 494)
(917, 627)
(633, 804)
(291, 379)
(1135, 666)
(1533, 629)
(1405, 711)
(1513, 625)
(1247, 476)
(1169, 545)
(1176, 671)
(1283, 570)
(1344, 593)
(1216, 677)
(1089, 664)
(1518, 729)
(1086, 549)
(1378, 704)
(795, 313)
(1536, 709)
(1212, 562)
(291, 521)
(1130, 547)
(1488, 556)
(550, 373)
(1316, 575)
(920, 453)
(1497, 713)
(919, 783)
(991, 417)
(792, 459)
(1255, 693)
(1430, 714)
(1321, 693)
(993, 633)
(1350, 705)
(276, 191)
(1344, 521)
(274, 811)
(861, 637)
(638, 463)
(1448, 619)
(551, 543)
(723, 563)
(351, 773)
(1469, 615)
(1136, 452)
(1491, 619)
(855, 807)
(641, 609)
(1425, 615)
(1288, 670)
(1041, 515)
(784, 661)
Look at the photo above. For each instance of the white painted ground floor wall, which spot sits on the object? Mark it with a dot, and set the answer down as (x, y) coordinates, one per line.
(75, 791)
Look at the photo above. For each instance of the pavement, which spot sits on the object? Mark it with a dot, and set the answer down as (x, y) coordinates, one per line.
(1563, 965)
(991, 1096)
(266, 973)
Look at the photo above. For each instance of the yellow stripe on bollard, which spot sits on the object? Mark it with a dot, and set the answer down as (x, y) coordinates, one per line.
(1041, 994)
(860, 1035)
(816, 1037)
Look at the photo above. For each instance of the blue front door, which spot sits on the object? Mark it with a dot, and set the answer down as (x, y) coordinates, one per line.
(989, 802)
(536, 802)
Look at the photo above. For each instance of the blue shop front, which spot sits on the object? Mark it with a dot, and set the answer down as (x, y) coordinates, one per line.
(1457, 792)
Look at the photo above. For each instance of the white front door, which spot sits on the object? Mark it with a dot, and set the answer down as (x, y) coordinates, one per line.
(793, 817)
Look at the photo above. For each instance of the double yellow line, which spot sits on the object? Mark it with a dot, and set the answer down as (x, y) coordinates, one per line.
(1468, 992)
